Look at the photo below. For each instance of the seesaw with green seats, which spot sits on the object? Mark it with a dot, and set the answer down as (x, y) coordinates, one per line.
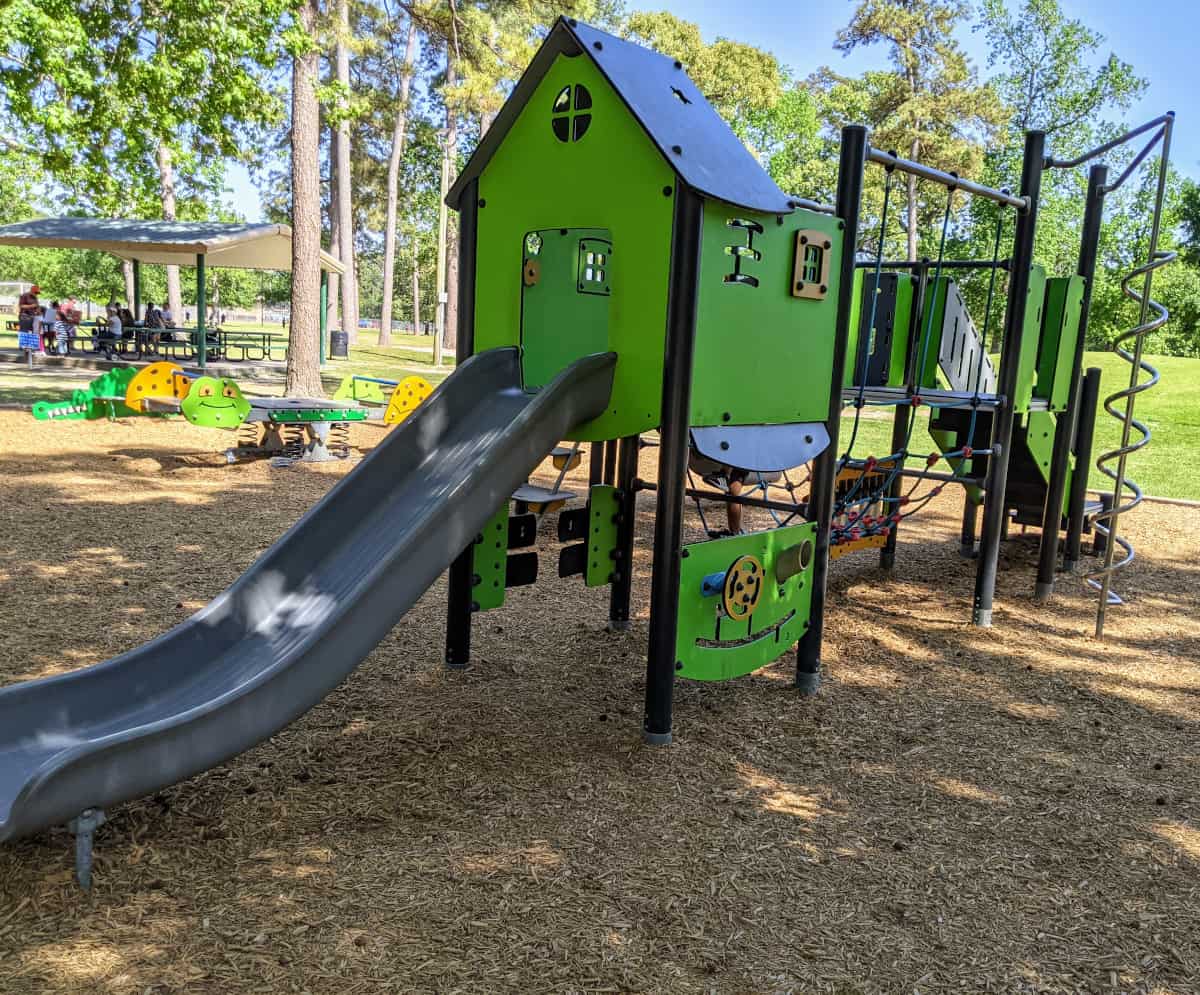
(286, 429)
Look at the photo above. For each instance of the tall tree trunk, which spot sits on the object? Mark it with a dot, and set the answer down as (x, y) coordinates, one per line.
(303, 362)
(127, 275)
(166, 183)
(345, 206)
(399, 130)
(416, 284)
(450, 338)
(333, 307)
(439, 321)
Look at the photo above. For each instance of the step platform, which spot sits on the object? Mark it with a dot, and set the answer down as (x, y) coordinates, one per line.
(540, 500)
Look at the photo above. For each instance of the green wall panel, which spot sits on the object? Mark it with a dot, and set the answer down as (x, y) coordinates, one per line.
(564, 309)
(1040, 427)
(929, 334)
(489, 561)
(864, 284)
(1060, 332)
(1027, 359)
(778, 621)
(603, 508)
(762, 355)
(611, 178)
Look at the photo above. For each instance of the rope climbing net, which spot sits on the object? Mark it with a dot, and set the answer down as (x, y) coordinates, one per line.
(871, 495)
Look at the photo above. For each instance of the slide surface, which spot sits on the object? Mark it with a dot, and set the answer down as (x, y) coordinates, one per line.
(303, 616)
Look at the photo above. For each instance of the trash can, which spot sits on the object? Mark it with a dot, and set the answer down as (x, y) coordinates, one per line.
(339, 345)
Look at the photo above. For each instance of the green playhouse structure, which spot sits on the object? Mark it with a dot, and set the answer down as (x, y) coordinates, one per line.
(610, 209)
(627, 266)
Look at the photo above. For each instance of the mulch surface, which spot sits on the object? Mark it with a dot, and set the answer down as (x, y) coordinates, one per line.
(1014, 809)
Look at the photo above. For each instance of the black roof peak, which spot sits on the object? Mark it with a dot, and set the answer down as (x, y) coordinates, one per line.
(689, 134)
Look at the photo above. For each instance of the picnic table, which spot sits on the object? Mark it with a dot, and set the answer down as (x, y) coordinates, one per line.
(181, 343)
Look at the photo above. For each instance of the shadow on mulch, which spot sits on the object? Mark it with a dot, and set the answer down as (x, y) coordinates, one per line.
(1012, 809)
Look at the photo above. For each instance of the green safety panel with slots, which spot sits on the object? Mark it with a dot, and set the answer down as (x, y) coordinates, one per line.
(1060, 333)
(929, 335)
(763, 353)
(575, 158)
(603, 509)
(566, 287)
(489, 562)
(712, 646)
(1040, 427)
(893, 315)
(1027, 357)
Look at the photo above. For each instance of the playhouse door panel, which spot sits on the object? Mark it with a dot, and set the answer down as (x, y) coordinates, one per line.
(566, 281)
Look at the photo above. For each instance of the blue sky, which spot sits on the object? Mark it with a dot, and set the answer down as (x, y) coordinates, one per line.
(1158, 38)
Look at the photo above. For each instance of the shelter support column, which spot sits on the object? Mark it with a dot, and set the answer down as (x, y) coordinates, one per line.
(201, 313)
(137, 290)
(323, 320)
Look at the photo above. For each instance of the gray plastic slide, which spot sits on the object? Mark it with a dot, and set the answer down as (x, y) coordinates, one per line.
(303, 616)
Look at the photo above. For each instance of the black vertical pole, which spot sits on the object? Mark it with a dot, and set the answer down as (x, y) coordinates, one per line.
(824, 470)
(596, 463)
(682, 303)
(462, 570)
(994, 498)
(1064, 434)
(967, 535)
(1089, 400)
(903, 412)
(622, 575)
(610, 462)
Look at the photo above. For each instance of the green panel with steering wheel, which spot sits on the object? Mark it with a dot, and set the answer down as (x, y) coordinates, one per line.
(743, 601)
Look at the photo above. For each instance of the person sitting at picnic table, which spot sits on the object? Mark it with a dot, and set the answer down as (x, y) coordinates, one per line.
(153, 325)
(71, 314)
(168, 316)
(29, 312)
(112, 336)
(127, 320)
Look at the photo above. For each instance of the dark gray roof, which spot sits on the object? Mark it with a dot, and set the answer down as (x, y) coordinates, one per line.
(692, 137)
(232, 244)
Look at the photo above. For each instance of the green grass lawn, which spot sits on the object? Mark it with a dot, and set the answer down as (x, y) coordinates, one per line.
(1168, 467)
(407, 355)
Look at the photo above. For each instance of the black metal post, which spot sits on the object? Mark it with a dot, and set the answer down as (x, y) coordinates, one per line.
(610, 462)
(1064, 433)
(994, 499)
(595, 463)
(902, 413)
(967, 536)
(622, 576)
(460, 602)
(1089, 401)
(825, 466)
(683, 300)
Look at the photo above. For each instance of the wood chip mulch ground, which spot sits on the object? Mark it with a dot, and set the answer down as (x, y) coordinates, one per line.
(1006, 810)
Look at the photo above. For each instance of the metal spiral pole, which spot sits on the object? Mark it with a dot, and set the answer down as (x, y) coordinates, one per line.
(1123, 485)
(1127, 495)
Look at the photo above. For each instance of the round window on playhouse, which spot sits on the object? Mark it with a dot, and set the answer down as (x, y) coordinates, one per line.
(571, 115)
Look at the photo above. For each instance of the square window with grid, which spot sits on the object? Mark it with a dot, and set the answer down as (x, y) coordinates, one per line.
(594, 264)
